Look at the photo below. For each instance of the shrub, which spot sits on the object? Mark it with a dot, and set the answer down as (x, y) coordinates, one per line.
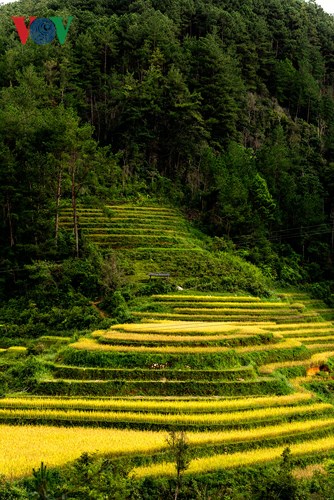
(156, 286)
(10, 491)
(116, 305)
(280, 484)
(23, 375)
(323, 291)
(3, 384)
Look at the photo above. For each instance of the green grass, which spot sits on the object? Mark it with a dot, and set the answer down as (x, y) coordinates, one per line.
(211, 360)
(206, 298)
(117, 387)
(230, 310)
(230, 305)
(84, 373)
(183, 255)
(301, 318)
(203, 341)
(131, 232)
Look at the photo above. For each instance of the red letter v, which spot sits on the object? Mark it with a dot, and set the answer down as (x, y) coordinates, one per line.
(22, 30)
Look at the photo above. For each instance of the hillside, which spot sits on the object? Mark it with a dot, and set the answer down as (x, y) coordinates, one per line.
(238, 373)
(166, 250)
(154, 239)
(160, 375)
(222, 109)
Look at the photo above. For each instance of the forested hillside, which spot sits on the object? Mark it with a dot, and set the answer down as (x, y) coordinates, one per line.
(222, 108)
(166, 250)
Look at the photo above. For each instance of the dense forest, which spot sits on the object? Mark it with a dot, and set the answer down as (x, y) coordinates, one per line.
(221, 108)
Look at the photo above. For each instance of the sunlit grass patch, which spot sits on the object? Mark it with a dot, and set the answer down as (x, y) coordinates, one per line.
(207, 298)
(144, 337)
(192, 327)
(217, 462)
(271, 367)
(24, 447)
(243, 306)
(231, 310)
(151, 405)
(306, 333)
(93, 345)
(297, 326)
(202, 419)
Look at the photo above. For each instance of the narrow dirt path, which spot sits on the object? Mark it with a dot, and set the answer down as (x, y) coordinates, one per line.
(95, 306)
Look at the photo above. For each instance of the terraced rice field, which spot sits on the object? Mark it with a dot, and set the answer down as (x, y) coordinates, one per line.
(200, 420)
(15, 350)
(209, 364)
(162, 405)
(126, 227)
(188, 308)
(252, 457)
(58, 445)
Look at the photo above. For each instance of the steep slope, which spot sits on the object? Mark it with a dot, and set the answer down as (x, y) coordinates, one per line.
(153, 239)
(231, 369)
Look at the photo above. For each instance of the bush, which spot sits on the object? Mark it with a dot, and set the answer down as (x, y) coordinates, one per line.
(10, 491)
(156, 286)
(280, 484)
(22, 376)
(91, 476)
(3, 385)
(163, 388)
(323, 291)
(116, 305)
(157, 373)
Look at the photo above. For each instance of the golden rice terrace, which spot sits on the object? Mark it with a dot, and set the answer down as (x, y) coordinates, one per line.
(238, 373)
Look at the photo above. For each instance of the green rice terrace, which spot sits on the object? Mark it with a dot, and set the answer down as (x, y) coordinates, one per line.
(153, 239)
(125, 227)
(244, 376)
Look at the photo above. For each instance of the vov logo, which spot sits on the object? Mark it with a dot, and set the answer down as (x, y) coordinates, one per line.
(42, 30)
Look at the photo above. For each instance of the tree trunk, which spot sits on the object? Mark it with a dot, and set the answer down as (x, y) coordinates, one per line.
(74, 208)
(58, 196)
(10, 225)
(177, 489)
(308, 110)
(91, 107)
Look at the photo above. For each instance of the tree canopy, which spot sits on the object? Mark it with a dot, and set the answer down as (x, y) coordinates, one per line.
(230, 102)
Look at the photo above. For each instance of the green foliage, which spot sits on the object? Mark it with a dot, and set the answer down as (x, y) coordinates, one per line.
(156, 286)
(22, 376)
(292, 372)
(263, 200)
(178, 444)
(41, 482)
(160, 387)
(3, 384)
(223, 360)
(280, 485)
(232, 342)
(86, 373)
(225, 109)
(116, 306)
(94, 477)
(11, 491)
(199, 270)
(323, 291)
